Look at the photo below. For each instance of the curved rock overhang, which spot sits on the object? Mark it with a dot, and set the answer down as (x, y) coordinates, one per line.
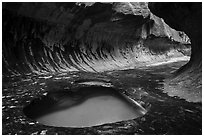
(50, 38)
(185, 17)
(94, 37)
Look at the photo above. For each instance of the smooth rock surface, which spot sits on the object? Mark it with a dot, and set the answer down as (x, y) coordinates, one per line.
(51, 49)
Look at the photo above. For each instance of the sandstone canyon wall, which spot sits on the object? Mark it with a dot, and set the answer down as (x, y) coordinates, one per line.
(94, 37)
(186, 17)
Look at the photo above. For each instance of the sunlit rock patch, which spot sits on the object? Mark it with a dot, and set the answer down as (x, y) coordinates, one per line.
(51, 49)
(81, 42)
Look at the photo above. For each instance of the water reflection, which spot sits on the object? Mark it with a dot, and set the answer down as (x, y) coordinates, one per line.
(87, 107)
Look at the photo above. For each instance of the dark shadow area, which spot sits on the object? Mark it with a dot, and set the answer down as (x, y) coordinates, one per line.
(122, 58)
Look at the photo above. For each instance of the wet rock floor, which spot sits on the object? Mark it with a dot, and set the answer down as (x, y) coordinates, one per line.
(166, 115)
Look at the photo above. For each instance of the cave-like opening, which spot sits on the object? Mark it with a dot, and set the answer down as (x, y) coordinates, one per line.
(150, 53)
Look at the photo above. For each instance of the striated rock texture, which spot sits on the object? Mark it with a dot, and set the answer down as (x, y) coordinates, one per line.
(186, 17)
(50, 49)
(95, 37)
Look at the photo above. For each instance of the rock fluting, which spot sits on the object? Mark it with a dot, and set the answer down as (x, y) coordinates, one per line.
(50, 50)
(95, 37)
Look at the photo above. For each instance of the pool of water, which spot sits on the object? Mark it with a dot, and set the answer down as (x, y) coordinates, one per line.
(87, 107)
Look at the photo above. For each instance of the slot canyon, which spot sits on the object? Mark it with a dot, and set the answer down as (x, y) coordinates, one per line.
(104, 68)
